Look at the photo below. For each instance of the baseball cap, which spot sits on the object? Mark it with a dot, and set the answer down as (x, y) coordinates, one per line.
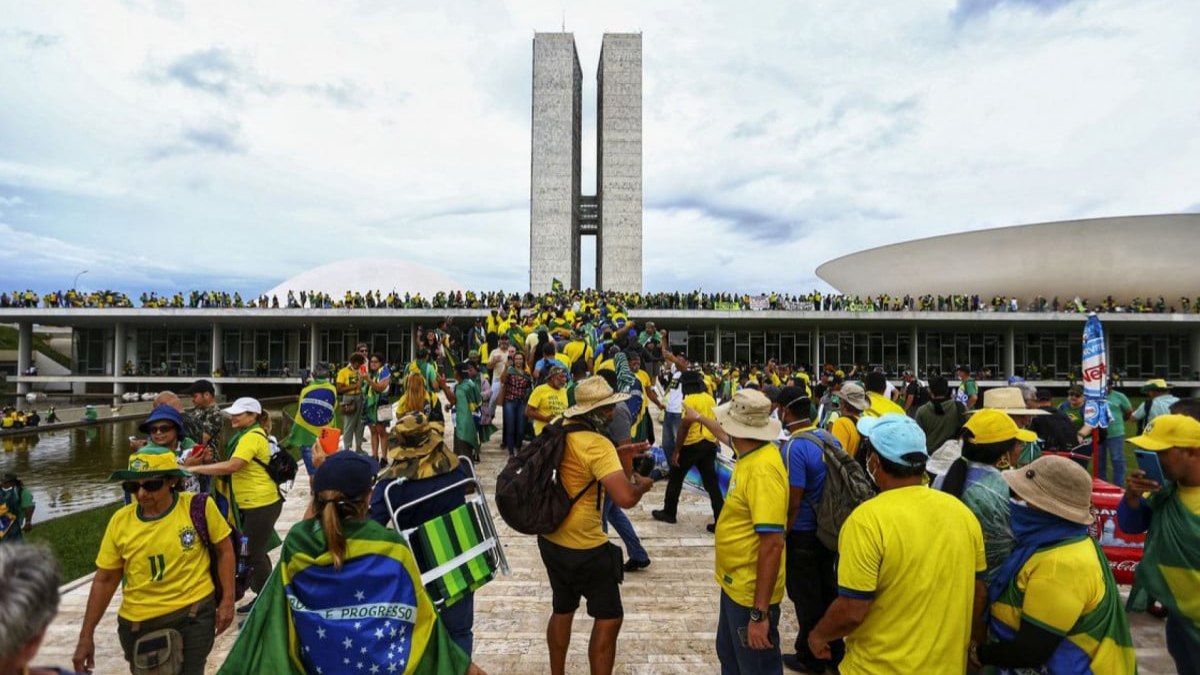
(200, 387)
(244, 405)
(993, 426)
(349, 473)
(1044, 394)
(894, 435)
(1169, 431)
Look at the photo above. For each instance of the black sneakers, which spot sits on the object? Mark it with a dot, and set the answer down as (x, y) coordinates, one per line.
(635, 565)
(663, 516)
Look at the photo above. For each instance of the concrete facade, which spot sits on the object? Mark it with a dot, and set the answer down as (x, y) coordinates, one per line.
(555, 172)
(1125, 257)
(559, 214)
(619, 163)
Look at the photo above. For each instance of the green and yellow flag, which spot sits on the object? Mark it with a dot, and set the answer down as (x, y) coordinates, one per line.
(371, 616)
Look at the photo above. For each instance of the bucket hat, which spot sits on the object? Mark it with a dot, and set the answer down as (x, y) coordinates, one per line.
(418, 449)
(748, 415)
(854, 395)
(1169, 431)
(1055, 485)
(163, 412)
(592, 393)
(1009, 400)
(993, 426)
(151, 460)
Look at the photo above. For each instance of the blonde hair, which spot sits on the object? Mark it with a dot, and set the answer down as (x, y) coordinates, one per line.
(332, 508)
(414, 398)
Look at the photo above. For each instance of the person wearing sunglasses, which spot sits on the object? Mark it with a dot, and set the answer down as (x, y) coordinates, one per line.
(165, 427)
(152, 551)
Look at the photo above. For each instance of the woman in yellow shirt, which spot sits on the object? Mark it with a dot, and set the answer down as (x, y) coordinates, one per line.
(255, 493)
(151, 547)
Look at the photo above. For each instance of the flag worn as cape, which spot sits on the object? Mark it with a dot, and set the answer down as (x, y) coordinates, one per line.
(1170, 567)
(316, 410)
(372, 616)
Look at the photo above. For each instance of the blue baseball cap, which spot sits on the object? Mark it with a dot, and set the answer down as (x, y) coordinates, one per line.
(347, 472)
(893, 436)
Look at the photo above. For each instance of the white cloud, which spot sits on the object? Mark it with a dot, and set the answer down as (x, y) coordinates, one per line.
(278, 136)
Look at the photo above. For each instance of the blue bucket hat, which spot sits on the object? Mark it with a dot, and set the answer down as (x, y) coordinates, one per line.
(163, 412)
(893, 436)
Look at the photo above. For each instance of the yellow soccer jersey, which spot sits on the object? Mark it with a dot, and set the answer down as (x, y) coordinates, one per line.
(165, 566)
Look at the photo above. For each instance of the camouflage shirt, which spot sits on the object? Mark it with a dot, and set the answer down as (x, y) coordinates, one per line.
(209, 421)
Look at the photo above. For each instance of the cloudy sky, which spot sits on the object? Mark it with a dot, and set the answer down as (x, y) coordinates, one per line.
(164, 144)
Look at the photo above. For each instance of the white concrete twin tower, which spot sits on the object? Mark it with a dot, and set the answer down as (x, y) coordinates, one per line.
(559, 214)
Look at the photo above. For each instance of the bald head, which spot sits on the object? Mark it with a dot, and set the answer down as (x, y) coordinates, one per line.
(168, 398)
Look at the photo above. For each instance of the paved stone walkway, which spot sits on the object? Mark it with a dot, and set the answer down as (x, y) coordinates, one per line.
(670, 608)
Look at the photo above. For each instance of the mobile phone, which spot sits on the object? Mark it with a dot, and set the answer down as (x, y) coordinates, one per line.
(1148, 463)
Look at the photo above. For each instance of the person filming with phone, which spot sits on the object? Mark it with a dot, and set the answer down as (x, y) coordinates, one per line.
(1162, 498)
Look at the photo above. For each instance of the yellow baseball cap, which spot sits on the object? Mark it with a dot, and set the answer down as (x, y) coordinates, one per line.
(993, 426)
(1169, 431)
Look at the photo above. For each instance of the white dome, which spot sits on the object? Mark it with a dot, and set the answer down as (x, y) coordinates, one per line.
(364, 274)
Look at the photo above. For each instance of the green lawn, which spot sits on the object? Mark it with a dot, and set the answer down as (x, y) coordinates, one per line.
(9, 339)
(75, 539)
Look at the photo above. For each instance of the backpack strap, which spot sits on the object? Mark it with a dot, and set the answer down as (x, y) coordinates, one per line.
(567, 430)
(200, 518)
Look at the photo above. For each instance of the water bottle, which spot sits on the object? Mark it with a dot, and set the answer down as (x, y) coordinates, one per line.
(243, 556)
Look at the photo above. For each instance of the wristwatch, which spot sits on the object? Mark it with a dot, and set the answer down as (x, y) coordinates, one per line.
(757, 615)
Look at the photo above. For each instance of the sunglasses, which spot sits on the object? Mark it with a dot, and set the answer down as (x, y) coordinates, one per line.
(132, 486)
(161, 428)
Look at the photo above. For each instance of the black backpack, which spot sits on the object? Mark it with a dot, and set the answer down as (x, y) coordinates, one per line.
(529, 491)
(281, 466)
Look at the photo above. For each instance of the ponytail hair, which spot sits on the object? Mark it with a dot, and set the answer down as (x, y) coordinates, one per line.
(264, 421)
(332, 508)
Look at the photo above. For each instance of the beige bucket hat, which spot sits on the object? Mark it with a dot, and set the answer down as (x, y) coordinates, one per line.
(1056, 485)
(855, 395)
(1010, 400)
(748, 415)
(593, 393)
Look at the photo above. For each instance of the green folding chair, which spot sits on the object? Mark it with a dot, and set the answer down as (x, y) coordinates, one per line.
(457, 552)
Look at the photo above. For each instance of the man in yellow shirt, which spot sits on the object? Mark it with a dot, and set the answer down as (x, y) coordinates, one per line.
(548, 400)
(750, 535)
(911, 561)
(698, 448)
(579, 560)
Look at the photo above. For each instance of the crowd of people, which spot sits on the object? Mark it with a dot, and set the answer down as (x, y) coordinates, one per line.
(695, 300)
(913, 526)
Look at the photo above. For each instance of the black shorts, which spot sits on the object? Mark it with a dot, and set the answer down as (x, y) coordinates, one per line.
(594, 573)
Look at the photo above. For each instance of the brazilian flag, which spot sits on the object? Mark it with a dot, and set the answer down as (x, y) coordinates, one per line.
(316, 410)
(371, 616)
(1170, 567)
(556, 286)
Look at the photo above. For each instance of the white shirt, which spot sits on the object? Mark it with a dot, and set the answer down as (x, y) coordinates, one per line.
(675, 392)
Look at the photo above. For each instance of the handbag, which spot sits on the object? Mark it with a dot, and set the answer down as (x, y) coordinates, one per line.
(384, 412)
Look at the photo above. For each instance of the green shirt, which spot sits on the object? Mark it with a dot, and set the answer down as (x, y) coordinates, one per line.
(1118, 407)
(468, 398)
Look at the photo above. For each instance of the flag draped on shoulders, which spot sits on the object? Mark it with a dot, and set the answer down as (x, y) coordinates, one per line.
(1170, 567)
(371, 616)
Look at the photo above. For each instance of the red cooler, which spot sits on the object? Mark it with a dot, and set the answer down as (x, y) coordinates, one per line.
(1123, 550)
